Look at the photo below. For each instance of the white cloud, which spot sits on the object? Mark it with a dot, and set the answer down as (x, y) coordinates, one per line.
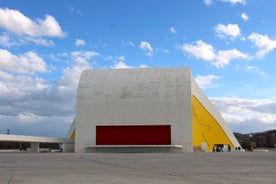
(18, 93)
(244, 16)
(263, 42)
(25, 63)
(80, 42)
(121, 64)
(256, 70)
(115, 58)
(231, 30)
(121, 58)
(206, 81)
(28, 118)
(143, 66)
(223, 57)
(38, 41)
(166, 51)
(248, 112)
(36, 96)
(13, 82)
(173, 30)
(6, 40)
(82, 61)
(5, 76)
(162, 50)
(17, 23)
(234, 2)
(26, 100)
(75, 11)
(128, 43)
(86, 55)
(131, 44)
(206, 52)
(145, 46)
(200, 50)
(208, 2)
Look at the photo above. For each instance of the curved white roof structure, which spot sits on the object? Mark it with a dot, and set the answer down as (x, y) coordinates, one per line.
(35, 140)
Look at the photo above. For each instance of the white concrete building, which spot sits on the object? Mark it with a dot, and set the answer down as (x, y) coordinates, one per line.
(145, 108)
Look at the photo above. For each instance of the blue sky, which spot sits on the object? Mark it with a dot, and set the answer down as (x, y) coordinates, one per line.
(230, 46)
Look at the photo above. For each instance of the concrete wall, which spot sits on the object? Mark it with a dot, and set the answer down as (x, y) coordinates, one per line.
(141, 96)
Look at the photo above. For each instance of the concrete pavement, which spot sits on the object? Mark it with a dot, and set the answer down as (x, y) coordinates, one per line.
(159, 168)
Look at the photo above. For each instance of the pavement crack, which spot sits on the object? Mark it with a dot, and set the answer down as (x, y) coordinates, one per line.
(12, 174)
(136, 169)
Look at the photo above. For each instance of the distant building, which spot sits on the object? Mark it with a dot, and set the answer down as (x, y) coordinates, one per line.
(266, 139)
(146, 108)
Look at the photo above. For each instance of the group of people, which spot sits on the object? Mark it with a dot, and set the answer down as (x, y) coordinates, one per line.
(221, 148)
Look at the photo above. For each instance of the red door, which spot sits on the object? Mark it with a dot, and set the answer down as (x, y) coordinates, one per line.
(133, 135)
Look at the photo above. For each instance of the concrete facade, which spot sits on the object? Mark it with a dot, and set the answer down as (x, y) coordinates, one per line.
(146, 96)
(134, 97)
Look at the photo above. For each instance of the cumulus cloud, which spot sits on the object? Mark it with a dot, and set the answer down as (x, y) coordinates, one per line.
(230, 30)
(263, 43)
(39, 41)
(6, 40)
(82, 61)
(119, 62)
(18, 92)
(244, 16)
(200, 50)
(21, 30)
(223, 57)
(26, 63)
(248, 112)
(206, 81)
(26, 100)
(16, 22)
(80, 42)
(206, 52)
(145, 46)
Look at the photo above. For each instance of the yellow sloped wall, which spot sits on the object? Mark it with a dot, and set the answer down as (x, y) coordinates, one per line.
(206, 128)
(73, 135)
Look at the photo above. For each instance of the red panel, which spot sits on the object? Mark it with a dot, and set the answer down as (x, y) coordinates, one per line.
(133, 135)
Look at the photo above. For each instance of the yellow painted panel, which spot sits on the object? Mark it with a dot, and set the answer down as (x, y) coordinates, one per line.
(73, 135)
(206, 128)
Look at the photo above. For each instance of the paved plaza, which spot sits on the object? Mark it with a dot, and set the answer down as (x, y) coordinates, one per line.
(123, 168)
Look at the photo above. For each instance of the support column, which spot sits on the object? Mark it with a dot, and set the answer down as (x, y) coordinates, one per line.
(68, 148)
(34, 147)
